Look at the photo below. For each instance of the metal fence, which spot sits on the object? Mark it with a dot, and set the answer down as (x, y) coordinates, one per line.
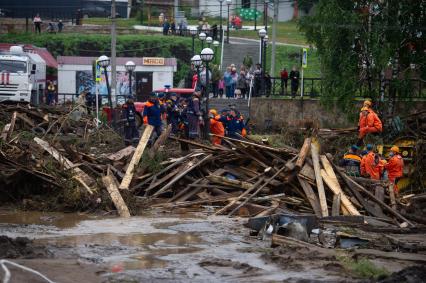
(313, 88)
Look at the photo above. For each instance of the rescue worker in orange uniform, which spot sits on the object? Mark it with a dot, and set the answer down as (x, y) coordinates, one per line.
(368, 123)
(216, 127)
(395, 166)
(370, 164)
(351, 162)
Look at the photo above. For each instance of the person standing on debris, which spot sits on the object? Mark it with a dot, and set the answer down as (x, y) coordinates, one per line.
(173, 113)
(216, 127)
(369, 122)
(351, 162)
(284, 80)
(194, 116)
(130, 130)
(37, 23)
(370, 164)
(235, 126)
(152, 115)
(294, 79)
(395, 167)
(50, 93)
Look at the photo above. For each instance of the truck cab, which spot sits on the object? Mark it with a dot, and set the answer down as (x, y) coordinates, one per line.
(22, 76)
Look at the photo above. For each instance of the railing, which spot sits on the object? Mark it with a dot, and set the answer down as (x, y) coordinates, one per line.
(313, 88)
(62, 98)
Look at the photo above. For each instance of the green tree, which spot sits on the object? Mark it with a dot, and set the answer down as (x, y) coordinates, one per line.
(360, 42)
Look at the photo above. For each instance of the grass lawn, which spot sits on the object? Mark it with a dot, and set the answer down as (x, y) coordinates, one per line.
(123, 23)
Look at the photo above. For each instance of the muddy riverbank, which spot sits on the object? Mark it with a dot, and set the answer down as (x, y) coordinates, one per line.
(163, 248)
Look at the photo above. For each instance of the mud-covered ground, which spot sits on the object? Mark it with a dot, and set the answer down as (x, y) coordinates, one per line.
(161, 248)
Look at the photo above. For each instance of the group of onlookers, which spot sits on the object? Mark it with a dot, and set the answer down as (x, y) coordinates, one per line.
(51, 26)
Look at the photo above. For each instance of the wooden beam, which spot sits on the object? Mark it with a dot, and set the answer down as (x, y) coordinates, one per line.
(229, 182)
(115, 195)
(303, 153)
(318, 178)
(12, 126)
(335, 210)
(188, 169)
(335, 188)
(125, 152)
(127, 179)
(200, 145)
(392, 196)
(83, 177)
(311, 196)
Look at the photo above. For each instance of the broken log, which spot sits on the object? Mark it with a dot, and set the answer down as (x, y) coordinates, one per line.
(318, 178)
(127, 179)
(311, 196)
(116, 197)
(303, 153)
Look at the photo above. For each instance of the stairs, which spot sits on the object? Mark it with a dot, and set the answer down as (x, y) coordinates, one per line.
(235, 52)
(223, 103)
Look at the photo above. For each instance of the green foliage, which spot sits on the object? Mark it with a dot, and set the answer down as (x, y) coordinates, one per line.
(359, 40)
(363, 268)
(96, 45)
(248, 61)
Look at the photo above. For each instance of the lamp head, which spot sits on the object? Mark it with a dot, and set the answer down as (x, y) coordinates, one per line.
(207, 55)
(130, 66)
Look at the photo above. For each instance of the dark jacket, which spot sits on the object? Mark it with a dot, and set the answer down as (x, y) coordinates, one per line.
(130, 113)
(153, 112)
(234, 125)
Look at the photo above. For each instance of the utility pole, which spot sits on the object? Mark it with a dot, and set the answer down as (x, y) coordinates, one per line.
(113, 54)
(274, 37)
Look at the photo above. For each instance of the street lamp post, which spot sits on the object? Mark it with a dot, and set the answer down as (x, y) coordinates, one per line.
(215, 45)
(196, 61)
(104, 62)
(255, 15)
(207, 56)
(221, 28)
(228, 2)
(193, 31)
(130, 67)
(202, 36)
(262, 34)
(265, 14)
(209, 41)
(265, 42)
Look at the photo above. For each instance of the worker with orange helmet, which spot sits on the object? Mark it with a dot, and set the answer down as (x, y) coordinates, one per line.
(369, 122)
(216, 127)
(370, 164)
(395, 166)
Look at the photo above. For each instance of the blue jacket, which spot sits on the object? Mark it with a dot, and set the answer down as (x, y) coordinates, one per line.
(234, 125)
(153, 112)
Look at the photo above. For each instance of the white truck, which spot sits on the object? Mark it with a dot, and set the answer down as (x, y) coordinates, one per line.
(22, 76)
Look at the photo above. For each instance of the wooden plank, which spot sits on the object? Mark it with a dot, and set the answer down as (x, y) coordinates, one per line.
(246, 192)
(156, 183)
(200, 145)
(115, 195)
(392, 196)
(335, 188)
(312, 197)
(127, 179)
(125, 152)
(307, 172)
(303, 153)
(181, 174)
(382, 204)
(27, 120)
(320, 184)
(4, 132)
(229, 182)
(258, 190)
(287, 149)
(160, 141)
(328, 168)
(65, 162)
(335, 210)
(12, 126)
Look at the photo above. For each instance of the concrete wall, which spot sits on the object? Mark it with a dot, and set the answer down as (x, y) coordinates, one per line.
(283, 113)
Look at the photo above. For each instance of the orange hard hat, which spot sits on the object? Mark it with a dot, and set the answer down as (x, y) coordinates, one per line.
(364, 109)
(395, 149)
(213, 111)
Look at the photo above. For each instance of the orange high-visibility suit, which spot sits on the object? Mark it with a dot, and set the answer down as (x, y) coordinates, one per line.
(369, 123)
(370, 167)
(395, 168)
(216, 127)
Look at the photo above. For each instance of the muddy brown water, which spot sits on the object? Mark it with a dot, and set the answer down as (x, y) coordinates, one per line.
(168, 248)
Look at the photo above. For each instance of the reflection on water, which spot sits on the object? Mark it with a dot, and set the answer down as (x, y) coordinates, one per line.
(58, 219)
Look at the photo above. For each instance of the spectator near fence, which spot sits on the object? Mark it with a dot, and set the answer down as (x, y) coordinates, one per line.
(37, 23)
(284, 80)
(294, 78)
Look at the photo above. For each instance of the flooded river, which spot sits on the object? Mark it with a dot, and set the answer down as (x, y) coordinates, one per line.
(155, 247)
